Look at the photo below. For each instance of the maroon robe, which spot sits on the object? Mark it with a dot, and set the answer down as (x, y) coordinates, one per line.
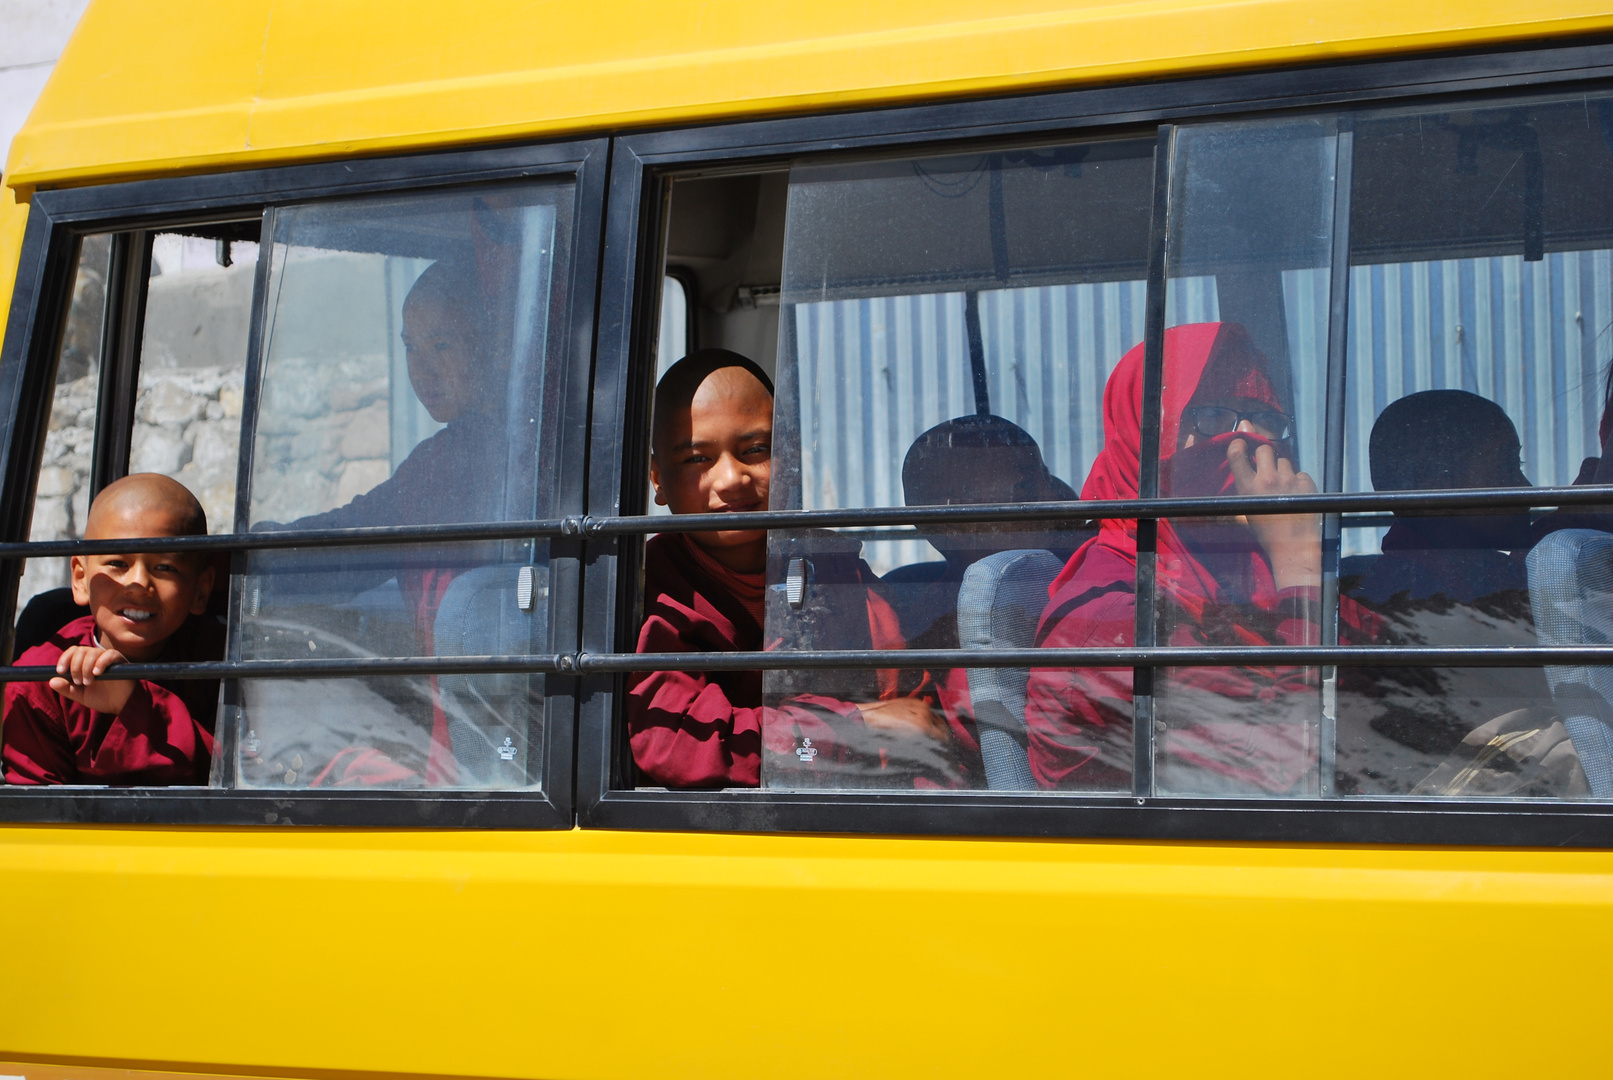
(693, 729)
(164, 735)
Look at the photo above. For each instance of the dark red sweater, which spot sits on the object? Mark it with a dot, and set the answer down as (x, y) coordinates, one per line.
(164, 735)
(705, 729)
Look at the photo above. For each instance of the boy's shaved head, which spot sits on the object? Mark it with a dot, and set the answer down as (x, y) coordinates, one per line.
(149, 503)
(140, 600)
(676, 390)
(712, 449)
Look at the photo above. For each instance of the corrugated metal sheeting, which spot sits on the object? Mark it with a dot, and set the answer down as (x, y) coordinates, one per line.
(875, 373)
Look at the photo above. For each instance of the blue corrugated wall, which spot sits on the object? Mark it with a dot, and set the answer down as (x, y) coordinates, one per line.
(877, 372)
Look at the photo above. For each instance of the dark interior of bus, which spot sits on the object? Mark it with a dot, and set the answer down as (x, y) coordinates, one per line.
(1252, 215)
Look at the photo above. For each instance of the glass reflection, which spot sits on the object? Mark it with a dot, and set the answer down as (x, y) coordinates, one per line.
(403, 384)
(947, 326)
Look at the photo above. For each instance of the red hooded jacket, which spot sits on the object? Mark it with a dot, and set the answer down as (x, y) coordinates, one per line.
(1228, 730)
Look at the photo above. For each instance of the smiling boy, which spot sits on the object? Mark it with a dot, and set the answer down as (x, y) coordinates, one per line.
(711, 452)
(81, 729)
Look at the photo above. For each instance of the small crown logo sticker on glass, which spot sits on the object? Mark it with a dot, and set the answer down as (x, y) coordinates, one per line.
(806, 751)
(507, 751)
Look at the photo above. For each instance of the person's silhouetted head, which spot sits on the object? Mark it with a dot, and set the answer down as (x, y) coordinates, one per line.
(1444, 439)
(980, 459)
(1449, 439)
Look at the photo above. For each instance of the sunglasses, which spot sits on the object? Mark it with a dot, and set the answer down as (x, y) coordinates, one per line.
(1213, 420)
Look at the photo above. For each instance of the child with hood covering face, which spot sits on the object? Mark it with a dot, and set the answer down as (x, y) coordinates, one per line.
(1246, 581)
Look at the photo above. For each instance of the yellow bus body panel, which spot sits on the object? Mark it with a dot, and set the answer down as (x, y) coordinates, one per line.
(602, 954)
(599, 954)
(197, 84)
(13, 222)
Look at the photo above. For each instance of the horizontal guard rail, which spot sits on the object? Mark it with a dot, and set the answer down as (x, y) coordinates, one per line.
(315, 668)
(301, 538)
(1158, 656)
(1111, 509)
(1366, 502)
(614, 663)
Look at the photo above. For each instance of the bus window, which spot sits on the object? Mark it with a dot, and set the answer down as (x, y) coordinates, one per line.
(403, 384)
(948, 327)
(187, 408)
(1245, 345)
(724, 239)
(723, 244)
(673, 339)
(62, 490)
(1480, 248)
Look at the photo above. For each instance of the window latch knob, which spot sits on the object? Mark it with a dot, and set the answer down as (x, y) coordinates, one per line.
(796, 578)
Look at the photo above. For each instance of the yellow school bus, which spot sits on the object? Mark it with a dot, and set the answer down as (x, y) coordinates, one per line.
(425, 845)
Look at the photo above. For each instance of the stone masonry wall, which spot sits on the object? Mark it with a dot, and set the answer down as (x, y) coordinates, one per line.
(324, 434)
(325, 430)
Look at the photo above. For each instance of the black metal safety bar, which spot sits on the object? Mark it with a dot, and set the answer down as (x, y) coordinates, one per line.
(318, 668)
(301, 538)
(614, 663)
(1152, 657)
(1366, 502)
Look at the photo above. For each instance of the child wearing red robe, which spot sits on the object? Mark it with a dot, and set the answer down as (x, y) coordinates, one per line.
(147, 607)
(705, 592)
(1247, 581)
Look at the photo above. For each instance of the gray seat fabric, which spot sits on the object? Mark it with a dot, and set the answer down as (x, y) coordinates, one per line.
(488, 715)
(1571, 596)
(999, 604)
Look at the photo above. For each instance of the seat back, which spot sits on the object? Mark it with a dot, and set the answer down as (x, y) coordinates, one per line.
(489, 716)
(45, 614)
(1571, 596)
(999, 604)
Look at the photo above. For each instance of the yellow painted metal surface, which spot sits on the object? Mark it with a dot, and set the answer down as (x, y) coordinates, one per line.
(593, 954)
(197, 84)
(13, 221)
(33, 1070)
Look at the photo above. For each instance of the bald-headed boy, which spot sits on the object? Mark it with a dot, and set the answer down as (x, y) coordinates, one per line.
(711, 452)
(83, 729)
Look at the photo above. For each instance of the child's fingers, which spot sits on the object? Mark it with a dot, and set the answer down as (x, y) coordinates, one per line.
(84, 669)
(107, 658)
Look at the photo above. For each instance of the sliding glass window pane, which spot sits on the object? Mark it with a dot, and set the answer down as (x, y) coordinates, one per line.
(1480, 292)
(947, 329)
(187, 411)
(405, 381)
(1250, 247)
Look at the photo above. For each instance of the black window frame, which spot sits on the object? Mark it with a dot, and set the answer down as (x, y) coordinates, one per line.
(642, 164)
(57, 219)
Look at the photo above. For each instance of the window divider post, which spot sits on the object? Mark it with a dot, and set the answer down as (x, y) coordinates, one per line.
(1147, 629)
(1338, 325)
(127, 280)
